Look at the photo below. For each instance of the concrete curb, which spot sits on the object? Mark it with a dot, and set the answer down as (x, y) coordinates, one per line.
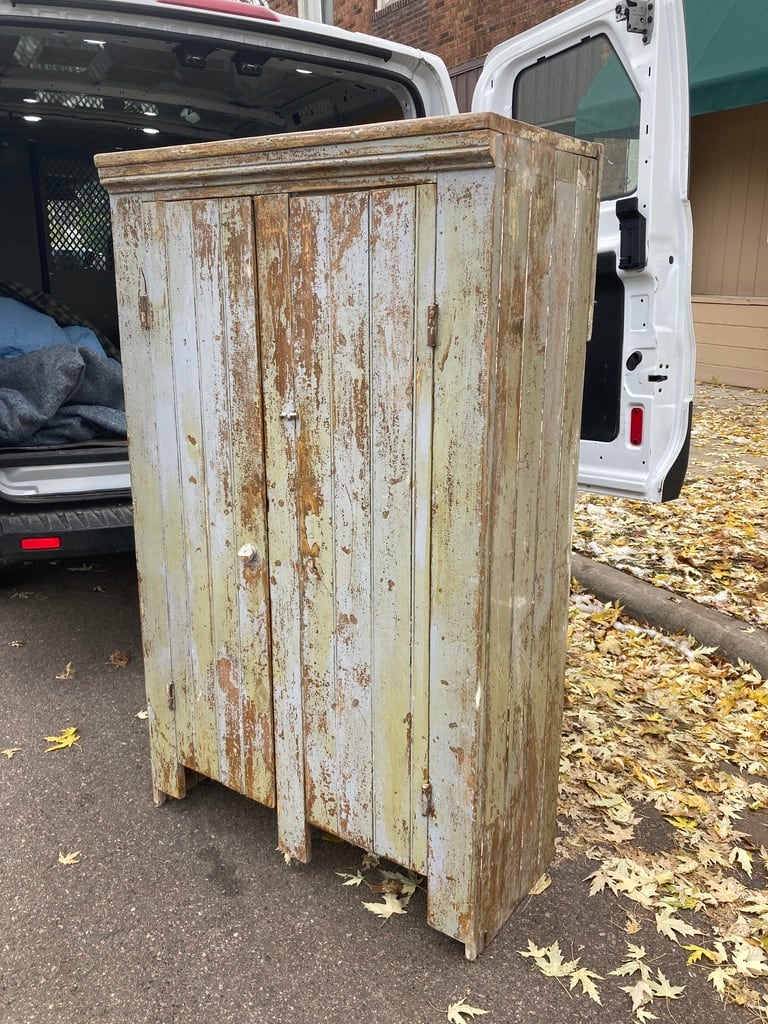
(734, 638)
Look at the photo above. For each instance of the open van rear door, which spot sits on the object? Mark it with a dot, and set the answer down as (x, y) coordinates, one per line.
(616, 73)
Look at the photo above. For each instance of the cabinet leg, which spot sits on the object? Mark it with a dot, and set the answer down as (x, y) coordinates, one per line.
(454, 910)
(294, 841)
(170, 779)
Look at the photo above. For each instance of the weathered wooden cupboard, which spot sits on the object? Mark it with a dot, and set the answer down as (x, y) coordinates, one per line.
(353, 367)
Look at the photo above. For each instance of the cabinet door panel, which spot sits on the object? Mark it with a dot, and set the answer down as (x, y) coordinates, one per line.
(402, 290)
(215, 496)
(241, 368)
(195, 698)
(141, 276)
(355, 319)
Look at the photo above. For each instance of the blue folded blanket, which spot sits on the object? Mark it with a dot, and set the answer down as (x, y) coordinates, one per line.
(60, 394)
(24, 329)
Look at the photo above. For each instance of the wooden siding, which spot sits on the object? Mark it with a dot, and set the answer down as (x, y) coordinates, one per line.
(464, 78)
(729, 200)
(731, 340)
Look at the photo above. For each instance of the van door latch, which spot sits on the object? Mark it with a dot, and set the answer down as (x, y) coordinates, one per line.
(632, 248)
(638, 15)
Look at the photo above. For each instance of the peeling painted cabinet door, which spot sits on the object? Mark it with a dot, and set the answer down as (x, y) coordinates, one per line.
(194, 392)
(327, 421)
(346, 282)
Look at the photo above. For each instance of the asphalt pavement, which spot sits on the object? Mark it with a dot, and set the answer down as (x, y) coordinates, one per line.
(186, 912)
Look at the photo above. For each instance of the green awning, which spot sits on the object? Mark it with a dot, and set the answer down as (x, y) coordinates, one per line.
(727, 68)
(610, 107)
(727, 53)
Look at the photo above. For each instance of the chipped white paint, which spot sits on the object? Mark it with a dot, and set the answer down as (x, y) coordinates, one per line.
(354, 557)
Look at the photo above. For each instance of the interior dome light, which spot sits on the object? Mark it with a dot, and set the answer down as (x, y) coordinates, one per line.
(32, 118)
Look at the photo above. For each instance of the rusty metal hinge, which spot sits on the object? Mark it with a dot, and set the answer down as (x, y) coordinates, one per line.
(171, 691)
(426, 799)
(432, 326)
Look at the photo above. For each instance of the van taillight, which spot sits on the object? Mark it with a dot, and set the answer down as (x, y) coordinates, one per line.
(636, 425)
(40, 543)
(227, 7)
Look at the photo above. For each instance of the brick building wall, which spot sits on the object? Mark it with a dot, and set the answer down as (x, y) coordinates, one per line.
(459, 31)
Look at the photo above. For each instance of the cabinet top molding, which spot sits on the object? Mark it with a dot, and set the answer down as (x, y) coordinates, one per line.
(415, 147)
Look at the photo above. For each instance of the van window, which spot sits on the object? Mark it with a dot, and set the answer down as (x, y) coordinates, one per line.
(585, 92)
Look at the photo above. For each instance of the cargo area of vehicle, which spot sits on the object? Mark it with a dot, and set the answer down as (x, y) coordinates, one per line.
(67, 93)
(71, 88)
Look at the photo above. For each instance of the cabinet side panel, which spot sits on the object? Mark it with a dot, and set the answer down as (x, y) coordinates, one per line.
(280, 440)
(581, 177)
(140, 273)
(535, 511)
(549, 604)
(533, 515)
(519, 823)
(465, 206)
(503, 741)
(242, 371)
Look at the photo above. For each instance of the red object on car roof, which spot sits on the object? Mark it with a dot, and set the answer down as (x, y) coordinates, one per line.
(227, 7)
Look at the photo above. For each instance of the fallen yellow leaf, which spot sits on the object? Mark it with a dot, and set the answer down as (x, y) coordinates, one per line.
(66, 738)
(350, 879)
(684, 823)
(697, 952)
(389, 906)
(541, 886)
(461, 1012)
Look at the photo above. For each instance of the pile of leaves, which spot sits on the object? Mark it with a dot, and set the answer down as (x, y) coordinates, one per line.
(711, 544)
(660, 736)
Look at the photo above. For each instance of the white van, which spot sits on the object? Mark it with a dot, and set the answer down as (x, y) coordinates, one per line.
(89, 76)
